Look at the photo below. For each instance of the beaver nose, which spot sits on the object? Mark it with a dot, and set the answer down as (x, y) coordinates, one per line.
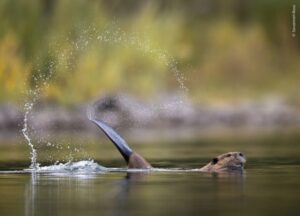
(242, 157)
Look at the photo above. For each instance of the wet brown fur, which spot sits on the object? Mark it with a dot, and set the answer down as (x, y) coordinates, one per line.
(138, 162)
(231, 161)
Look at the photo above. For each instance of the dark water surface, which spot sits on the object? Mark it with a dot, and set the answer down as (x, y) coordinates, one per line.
(269, 186)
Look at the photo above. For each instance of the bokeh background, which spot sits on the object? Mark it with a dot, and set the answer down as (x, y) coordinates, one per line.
(225, 50)
(175, 65)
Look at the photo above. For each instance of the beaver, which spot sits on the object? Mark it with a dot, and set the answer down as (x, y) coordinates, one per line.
(231, 161)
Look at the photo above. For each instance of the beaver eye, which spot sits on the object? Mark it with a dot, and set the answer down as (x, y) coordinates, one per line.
(241, 154)
(214, 160)
(228, 155)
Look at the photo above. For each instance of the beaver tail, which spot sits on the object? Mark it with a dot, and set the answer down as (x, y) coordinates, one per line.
(119, 142)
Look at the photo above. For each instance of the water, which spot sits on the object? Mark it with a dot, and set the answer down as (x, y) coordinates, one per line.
(28, 107)
(269, 186)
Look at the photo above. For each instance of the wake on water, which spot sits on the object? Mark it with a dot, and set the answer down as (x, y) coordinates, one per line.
(87, 167)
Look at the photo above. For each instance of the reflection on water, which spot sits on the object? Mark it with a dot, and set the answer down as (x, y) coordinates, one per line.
(30, 195)
(131, 193)
(269, 186)
(272, 189)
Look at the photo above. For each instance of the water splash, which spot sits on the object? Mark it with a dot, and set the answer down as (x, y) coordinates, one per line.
(33, 95)
(117, 36)
(28, 108)
(114, 35)
(85, 166)
(110, 35)
(91, 167)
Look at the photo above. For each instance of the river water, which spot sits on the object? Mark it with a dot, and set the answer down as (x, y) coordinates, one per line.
(270, 184)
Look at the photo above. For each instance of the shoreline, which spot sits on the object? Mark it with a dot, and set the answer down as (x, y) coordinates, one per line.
(131, 116)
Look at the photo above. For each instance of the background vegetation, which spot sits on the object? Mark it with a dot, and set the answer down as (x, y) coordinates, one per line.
(222, 50)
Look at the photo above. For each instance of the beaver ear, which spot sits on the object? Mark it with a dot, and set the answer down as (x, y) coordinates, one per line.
(214, 161)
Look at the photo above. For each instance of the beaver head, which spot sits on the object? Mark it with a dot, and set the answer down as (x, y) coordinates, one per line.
(231, 161)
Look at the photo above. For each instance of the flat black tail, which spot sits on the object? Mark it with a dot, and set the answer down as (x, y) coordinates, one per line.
(119, 142)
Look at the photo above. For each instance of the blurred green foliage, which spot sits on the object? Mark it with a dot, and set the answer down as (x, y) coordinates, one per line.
(226, 50)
